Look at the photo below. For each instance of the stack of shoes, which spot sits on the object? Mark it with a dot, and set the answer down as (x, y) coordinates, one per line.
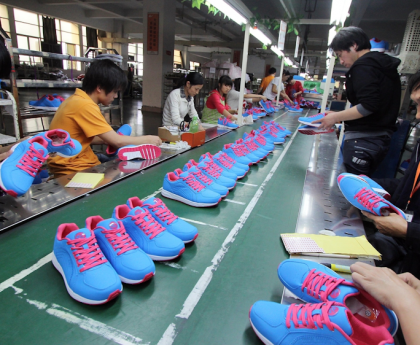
(240, 153)
(47, 102)
(123, 130)
(310, 128)
(18, 171)
(145, 151)
(340, 313)
(366, 195)
(224, 121)
(223, 161)
(187, 189)
(260, 140)
(267, 107)
(268, 134)
(276, 128)
(293, 108)
(253, 148)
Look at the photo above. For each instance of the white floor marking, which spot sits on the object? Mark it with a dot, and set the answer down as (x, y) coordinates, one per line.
(174, 265)
(248, 184)
(201, 223)
(88, 324)
(153, 194)
(199, 288)
(233, 201)
(9, 282)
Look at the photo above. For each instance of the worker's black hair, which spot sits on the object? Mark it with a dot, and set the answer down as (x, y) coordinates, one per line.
(349, 36)
(5, 61)
(105, 74)
(272, 70)
(414, 82)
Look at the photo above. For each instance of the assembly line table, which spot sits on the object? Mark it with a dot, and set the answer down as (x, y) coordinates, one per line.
(203, 297)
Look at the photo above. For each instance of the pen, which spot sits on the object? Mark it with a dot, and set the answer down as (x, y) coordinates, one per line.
(338, 268)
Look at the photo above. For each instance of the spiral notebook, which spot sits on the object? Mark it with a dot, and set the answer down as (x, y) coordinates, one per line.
(331, 246)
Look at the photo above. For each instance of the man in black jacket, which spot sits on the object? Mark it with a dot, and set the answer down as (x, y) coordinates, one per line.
(374, 89)
(398, 240)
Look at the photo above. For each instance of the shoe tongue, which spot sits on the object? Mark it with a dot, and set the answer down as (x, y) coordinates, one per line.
(338, 315)
(80, 234)
(192, 169)
(41, 149)
(111, 224)
(341, 292)
(150, 201)
(185, 174)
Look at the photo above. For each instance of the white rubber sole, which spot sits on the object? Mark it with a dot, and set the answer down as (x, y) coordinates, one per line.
(145, 151)
(165, 258)
(262, 338)
(134, 282)
(173, 196)
(71, 292)
(309, 123)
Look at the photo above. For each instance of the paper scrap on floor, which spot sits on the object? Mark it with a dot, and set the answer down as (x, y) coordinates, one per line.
(85, 180)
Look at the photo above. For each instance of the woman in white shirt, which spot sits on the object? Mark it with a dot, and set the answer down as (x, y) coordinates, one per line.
(180, 102)
(233, 96)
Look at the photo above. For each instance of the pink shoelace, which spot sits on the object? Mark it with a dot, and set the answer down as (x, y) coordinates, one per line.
(203, 178)
(260, 139)
(302, 316)
(251, 145)
(316, 280)
(27, 162)
(87, 257)
(211, 171)
(193, 183)
(123, 242)
(227, 157)
(224, 162)
(368, 199)
(215, 167)
(150, 227)
(160, 210)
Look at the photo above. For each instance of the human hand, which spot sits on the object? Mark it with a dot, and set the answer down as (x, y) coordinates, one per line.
(200, 127)
(393, 225)
(232, 111)
(153, 139)
(326, 122)
(234, 118)
(410, 280)
(383, 284)
(264, 98)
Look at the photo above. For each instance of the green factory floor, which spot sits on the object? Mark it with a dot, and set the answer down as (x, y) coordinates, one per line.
(201, 298)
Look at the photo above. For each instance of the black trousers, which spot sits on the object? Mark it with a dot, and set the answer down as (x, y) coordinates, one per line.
(363, 155)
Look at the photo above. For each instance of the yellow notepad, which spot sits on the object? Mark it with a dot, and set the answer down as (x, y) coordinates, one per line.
(321, 245)
(85, 180)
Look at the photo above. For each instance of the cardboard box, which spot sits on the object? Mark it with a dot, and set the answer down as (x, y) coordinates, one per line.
(194, 139)
(166, 135)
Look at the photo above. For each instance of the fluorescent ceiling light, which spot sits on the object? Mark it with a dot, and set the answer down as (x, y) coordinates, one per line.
(276, 51)
(339, 11)
(228, 10)
(259, 35)
(331, 35)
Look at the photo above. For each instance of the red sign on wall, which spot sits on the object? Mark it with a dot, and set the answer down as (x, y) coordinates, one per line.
(152, 33)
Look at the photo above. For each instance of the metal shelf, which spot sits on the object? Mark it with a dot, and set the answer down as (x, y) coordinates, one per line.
(28, 83)
(51, 55)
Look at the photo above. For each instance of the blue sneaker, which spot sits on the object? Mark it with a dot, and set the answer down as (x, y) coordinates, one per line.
(376, 187)
(224, 121)
(308, 120)
(377, 45)
(359, 193)
(209, 183)
(148, 234)
(276, 133)
(238, 148)
(313, 283)
(47, 102)
(302, 324)
(123, 130)
(18, 171)
(269, 135)
(41, 176)
(226, 165)
(280, 128)
(131, 263)
(229, 159)
(175, 225)
(145, 151)
(187, 189)
(209, 162)
(208, 170)
(88, 275)
(237, 154)
(310, 130)
(59, 141)
(261, 141)
(266, 107)
(253, 148)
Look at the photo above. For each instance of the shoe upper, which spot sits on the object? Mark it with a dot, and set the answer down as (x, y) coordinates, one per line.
(119, 248)
(147, 233)
(59, 141)
(222, 162)
(87, 272)
(19, 170)
(213, 174)
(123, 130)
(188, 187)
(207, 181)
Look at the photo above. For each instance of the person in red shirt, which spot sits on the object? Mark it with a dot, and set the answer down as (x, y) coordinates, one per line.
(294, 89)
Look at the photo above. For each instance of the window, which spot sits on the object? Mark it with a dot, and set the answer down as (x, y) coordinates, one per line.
(193, 65)
(177, 59)
(135, 57)
(28, 34)
(4, 19)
